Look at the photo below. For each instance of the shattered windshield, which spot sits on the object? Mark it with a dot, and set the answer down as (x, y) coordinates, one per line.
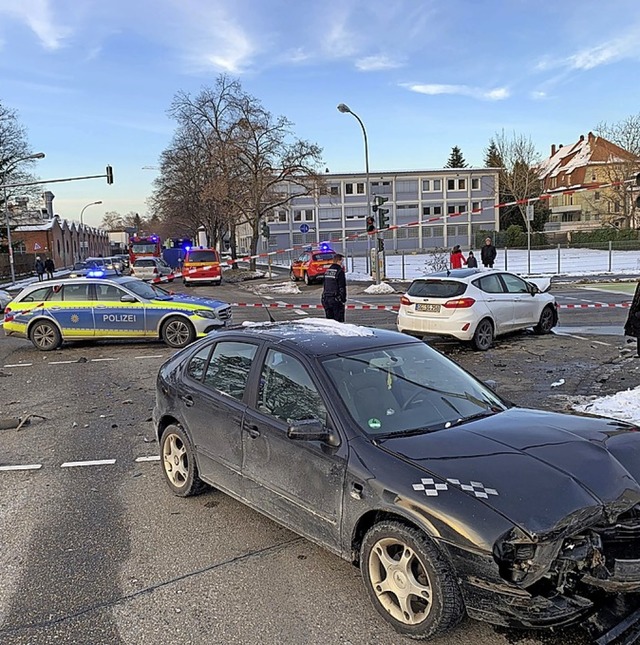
(408, 389)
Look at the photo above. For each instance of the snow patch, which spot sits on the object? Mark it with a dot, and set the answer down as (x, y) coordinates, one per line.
(383, 287)
(317, 325)
(624, 406)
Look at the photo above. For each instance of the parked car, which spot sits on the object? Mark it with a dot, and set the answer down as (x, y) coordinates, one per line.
(476, 306)
(312, 264)
(151, 268)
(201, 265)
(5, 299)
(99, 308)
(382, 450)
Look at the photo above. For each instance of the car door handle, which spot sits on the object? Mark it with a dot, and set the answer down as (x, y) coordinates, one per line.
(252, 431)
(187, 399)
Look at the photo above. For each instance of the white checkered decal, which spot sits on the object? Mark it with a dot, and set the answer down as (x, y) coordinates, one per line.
(433, 489)
(477, 488)
(430, 488)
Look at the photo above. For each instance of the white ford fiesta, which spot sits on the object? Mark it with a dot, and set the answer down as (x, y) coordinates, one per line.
(476, 306)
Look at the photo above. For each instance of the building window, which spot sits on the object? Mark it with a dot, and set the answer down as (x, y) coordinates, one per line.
(426, 210)
(462, 208)
(451, 209)
(334, 191)
(475, 206)
(303, 215)
(437, 210)
(462, 184)
(437, 185)
(353, 189)
(451, 184)
(407, 186)
(596, 196)
(329, 213)
(475, 184)
(426, 183)
(381, 183)
(354, 212)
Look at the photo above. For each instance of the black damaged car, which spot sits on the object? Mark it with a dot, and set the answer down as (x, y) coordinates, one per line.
(377, 447)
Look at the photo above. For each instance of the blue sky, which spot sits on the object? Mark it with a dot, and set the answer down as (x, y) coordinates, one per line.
(92, 80)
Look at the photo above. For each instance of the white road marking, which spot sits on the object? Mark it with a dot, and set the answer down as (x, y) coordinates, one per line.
(96, 462)
(148, 458)
(19, 365)
(98, 360)
(560, 333)
(599, 342)
(151, 356)
(22, 467)
(61, 362)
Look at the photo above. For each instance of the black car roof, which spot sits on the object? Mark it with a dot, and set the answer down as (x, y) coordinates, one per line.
(319, 337)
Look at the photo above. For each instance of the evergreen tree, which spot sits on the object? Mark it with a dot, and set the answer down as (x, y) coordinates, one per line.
(456, 160)
(492, 157)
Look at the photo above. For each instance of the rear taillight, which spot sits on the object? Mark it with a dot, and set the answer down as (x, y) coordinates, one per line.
(155, 270)
(405, 301)
(459, 303)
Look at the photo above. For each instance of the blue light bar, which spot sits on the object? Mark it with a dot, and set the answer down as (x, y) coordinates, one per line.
(95, 274)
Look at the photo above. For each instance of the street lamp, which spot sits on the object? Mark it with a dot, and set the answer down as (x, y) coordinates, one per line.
(37, 155)
(346, 110)
(84, 235)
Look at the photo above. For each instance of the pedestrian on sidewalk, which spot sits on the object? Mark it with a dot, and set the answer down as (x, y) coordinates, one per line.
(39, 268)
(488, 254)
(632, 326)
(456, 259)
(334, 290)
(49, 267)
(472, 263)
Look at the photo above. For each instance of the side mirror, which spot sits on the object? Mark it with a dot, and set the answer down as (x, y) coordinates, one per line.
(533, 289)
(311, 430)
(128, 298)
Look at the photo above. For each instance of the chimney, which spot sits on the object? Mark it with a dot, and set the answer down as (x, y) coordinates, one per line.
(591, 136)
(553, 149)
(582, 137)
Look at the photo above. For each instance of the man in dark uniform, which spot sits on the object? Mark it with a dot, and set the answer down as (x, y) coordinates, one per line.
(334, 293)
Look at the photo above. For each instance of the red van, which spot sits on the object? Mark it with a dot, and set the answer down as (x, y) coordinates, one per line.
(201, 265)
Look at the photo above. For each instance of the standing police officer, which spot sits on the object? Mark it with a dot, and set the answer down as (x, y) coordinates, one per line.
(334, 293)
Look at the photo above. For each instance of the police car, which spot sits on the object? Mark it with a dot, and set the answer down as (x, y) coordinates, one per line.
(110, 307)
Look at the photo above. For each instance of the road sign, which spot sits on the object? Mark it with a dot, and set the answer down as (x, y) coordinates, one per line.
(304, 228)
(530, 212)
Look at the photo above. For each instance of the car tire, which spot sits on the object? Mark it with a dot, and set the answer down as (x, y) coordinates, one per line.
(45, 336)
(178, 463)
(547, 321)
(483, 335)
(409, 581)
(177, 332)
(307, 279)
(292, 276)
(186, 283)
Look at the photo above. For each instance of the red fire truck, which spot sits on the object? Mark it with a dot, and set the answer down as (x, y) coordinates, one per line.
(147, 246)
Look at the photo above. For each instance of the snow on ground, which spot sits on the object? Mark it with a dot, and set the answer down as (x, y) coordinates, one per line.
(623, 405)
(383, 287)
(277, 288)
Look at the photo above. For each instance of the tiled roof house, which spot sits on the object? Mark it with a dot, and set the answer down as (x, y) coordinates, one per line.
(590, 162)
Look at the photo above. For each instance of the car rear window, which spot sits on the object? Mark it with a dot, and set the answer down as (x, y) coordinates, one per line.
(144, 263)
(203, 256)
(437, 288)
(321, 257)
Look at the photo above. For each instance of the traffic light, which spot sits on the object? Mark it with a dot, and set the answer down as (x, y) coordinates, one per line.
(265, 231)
(371, 225)
(109, 175)
(383, 220)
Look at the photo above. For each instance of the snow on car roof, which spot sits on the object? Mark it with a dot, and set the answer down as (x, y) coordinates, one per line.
(317, 325)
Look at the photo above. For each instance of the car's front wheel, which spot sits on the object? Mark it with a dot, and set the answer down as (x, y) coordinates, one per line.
(546, 322)
(177, 332)
(307, 279)
(45, 336)
(409, 581)
(178, 462)
(292, 276)
(483, 335)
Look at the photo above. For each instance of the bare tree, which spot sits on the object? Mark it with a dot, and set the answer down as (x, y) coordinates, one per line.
(112, 221)
(14, 147)
(518, 176)
(232, 162)
(616, 205)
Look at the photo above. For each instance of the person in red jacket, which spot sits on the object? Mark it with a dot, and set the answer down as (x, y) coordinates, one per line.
(456, 259)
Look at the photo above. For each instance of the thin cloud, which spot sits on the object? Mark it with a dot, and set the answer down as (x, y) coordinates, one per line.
(377, 63)
(38, 16)
(434, 89)
(620, 48)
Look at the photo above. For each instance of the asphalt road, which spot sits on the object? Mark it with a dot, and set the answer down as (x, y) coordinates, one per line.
(95, 549)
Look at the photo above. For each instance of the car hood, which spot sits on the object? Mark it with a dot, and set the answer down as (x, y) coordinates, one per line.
(542, 471)
(544, 284)
(197, 300)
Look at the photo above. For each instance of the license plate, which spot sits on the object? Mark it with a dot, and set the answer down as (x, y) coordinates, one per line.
(432, 308)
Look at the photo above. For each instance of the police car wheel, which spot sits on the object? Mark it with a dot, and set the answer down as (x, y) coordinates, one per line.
(179, 464)
(45, 336)
(177, 332)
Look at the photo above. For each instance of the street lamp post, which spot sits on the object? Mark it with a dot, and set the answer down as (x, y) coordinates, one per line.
(346, 110)
(84, 235)
(37, 155)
